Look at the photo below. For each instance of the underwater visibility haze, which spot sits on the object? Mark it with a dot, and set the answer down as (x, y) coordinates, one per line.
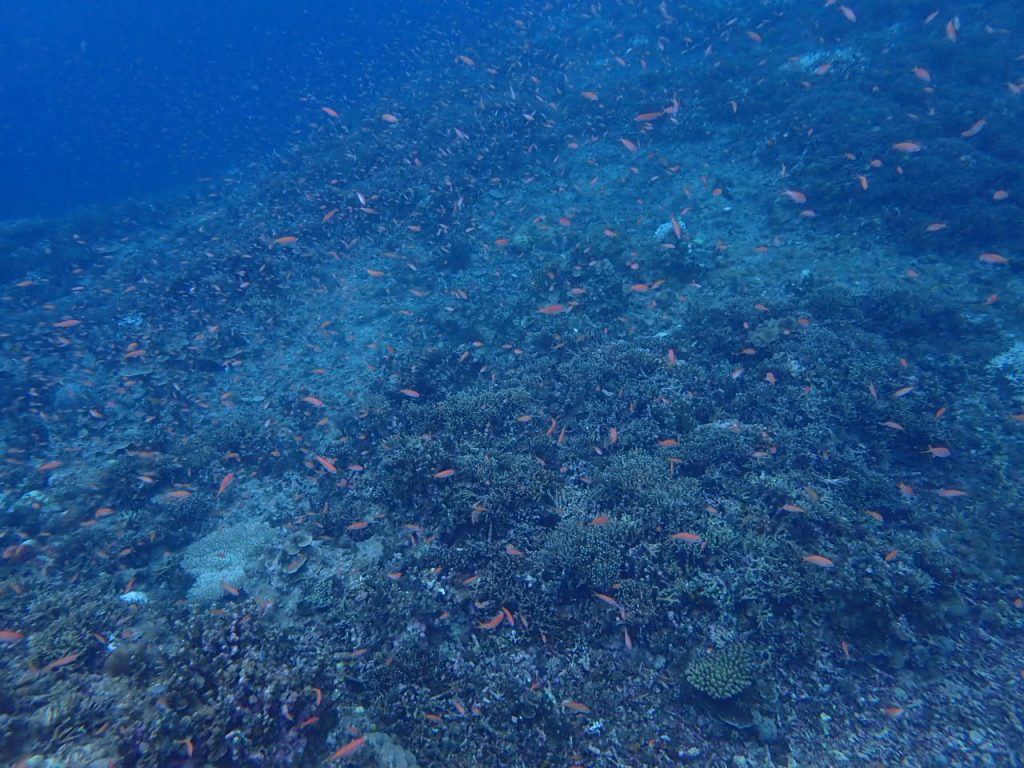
(550, 384)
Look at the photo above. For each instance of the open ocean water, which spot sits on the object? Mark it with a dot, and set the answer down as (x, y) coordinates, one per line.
(549, 384)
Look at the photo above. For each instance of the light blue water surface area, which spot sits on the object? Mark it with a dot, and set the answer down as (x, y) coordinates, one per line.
(539, 384)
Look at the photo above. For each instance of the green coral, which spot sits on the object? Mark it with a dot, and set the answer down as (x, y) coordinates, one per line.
(724, 673)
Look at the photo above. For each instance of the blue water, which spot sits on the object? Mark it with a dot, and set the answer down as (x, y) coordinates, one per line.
(116, 99)
(563, 383)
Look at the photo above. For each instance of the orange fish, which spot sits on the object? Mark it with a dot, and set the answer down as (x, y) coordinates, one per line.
(387, 117)
(285, 240)
(576, 706)
(358, 525)
(952, 27)
(797, 197)
(443, 474)
(316, 402)
(492, 623)
(993, 258)
(326, 463)
(950, 493)
(975, 129)
(70, 323)
(330, 112)
(11, 635)
(608, 599)
(63, 661)
(819, 560)
(631, 146)
(229, 478)
(347, 750)
(646, 117)
(590, 96)
(409, 392)
(551, 309)
(50, 465)
(907, 146)
(686, 536)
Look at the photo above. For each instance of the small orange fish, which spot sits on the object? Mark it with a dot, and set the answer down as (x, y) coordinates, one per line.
(63, 661)
(285, 240)
(819, 560)
(50, 465)
(576, 706)
(347, 750)
(907, 146)
(631, 146)
(646, 117)
(330, 112)
(70, 323)
(492, 623)
(993, 258)
(950, 493)
(891, 555)
(231, 589)
(936, 227)
(358, 525)
(797, 197)
(551, 309)
(975, 129)
(443, 474)
(11, 635)
(590, 96)
(225, 483)
(409, 392)
(952, 27)
(600, 520)
(686, 536)
(316, 402)
(387, 117)
(326, 463)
